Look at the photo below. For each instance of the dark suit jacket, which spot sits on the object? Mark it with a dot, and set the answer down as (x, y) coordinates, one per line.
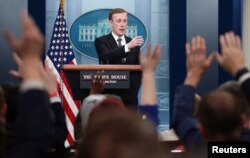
(41, 127)
(109, 53)
(33, 130)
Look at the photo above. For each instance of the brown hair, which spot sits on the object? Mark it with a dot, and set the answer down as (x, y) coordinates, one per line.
(115, 11)
(219, 113)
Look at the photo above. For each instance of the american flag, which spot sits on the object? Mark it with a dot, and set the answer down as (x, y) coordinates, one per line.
(60, 52)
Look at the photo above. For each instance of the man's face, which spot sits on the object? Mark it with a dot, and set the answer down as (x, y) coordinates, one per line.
(119, 23)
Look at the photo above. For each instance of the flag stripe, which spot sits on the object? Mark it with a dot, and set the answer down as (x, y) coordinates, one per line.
(70, 126)
(70, 101)
(70, 139)
(68, 111)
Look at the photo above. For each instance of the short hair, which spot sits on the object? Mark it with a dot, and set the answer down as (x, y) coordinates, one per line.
(216, 115)
(115, 11)
(234, 88)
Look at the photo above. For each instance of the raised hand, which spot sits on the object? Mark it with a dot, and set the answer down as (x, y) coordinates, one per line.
(49, 78)
(97, 83)
(136, 41)
(196, 60)
(151, 59)
(149, 63)
(28, 48)
(231, 57)
(16, 73)
(31, 41)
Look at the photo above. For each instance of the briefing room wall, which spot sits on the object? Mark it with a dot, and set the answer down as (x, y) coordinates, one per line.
(10, 19)
(202, 19)
(153, 14)
(211, 19)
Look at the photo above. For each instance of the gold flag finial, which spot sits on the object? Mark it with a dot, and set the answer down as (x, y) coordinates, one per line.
(62, 4)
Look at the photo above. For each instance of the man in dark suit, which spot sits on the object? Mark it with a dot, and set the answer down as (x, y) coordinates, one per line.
(117, 48)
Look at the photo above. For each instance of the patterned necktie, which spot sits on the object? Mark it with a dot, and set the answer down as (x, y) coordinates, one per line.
(119, 40)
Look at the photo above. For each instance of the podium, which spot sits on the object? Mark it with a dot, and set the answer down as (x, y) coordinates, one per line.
(128, 95)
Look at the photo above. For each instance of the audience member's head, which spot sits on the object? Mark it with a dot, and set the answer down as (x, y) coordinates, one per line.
(119, 134)
(234, 88)
(230, 86)
(95, 104)
(219, 114)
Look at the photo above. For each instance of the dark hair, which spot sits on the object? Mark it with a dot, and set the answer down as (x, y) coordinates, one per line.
(219, 113)
(115, 11)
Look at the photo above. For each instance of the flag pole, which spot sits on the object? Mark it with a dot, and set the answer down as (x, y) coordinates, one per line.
(61, 53)
(62, 4)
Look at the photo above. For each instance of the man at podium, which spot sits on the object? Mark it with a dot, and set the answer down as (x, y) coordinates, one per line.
(117, 48)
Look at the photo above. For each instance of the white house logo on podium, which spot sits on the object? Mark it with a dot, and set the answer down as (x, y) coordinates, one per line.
(94, 24)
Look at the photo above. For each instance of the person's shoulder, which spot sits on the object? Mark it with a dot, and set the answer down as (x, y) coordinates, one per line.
(103, 37)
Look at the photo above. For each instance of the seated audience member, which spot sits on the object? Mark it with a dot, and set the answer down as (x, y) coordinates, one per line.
(59, 124)
(95, 103)
(96, 88)
(220, 116)
(59, 130)
(232, 60)
(34, 122)
(41, 122)
(119, 134)
(216, 108)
